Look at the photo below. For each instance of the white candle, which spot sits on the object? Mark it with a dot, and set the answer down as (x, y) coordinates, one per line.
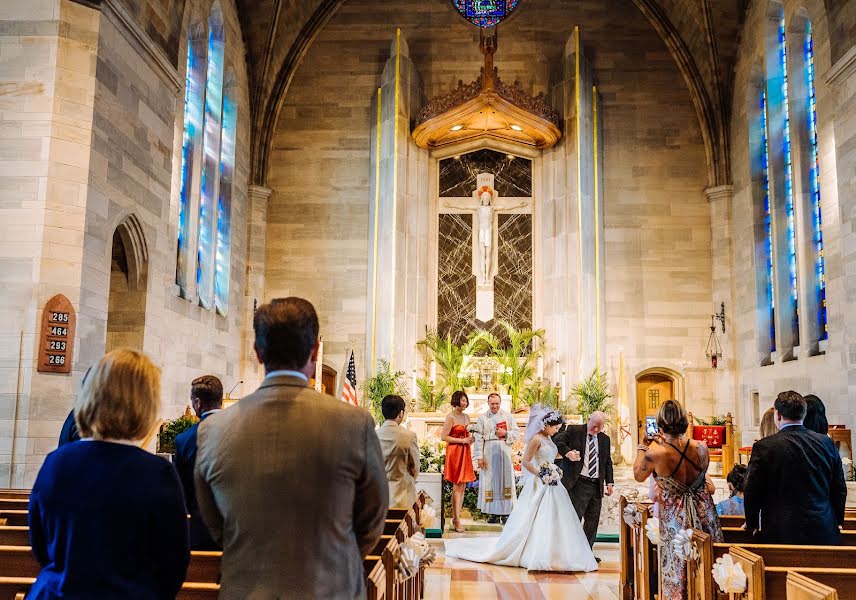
(564, 383)
(540, 368)
(433, 377)
(318, 366)
(413, 384)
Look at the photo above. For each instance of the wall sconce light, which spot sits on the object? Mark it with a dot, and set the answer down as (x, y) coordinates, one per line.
(713, 352)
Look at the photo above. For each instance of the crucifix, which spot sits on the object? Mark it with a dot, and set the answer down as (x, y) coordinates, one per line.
(485, 210)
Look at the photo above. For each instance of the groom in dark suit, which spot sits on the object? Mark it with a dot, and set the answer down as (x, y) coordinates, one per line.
(795, 491)
(586, 469)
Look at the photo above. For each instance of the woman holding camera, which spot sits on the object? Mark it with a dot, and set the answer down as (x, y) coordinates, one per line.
(679, 466)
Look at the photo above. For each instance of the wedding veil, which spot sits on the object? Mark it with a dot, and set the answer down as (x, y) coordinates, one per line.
(538, 414)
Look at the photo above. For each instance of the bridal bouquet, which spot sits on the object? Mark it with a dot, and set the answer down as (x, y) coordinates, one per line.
(550, 474)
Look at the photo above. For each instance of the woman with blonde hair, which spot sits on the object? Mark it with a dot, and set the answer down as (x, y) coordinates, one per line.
(768, 424)
(107, 519)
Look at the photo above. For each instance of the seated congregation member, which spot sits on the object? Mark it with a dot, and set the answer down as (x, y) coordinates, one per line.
(794, 491)
(734, 505)
(400, 453)
(107, 519)
(291, 482)
(768, 424)
(680, 467)
(815, 415)
(206, 398)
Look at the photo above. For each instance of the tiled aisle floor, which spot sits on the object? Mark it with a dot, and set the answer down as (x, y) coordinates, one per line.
(454, 579)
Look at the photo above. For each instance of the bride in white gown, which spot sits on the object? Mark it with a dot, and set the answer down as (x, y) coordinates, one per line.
(543, 532)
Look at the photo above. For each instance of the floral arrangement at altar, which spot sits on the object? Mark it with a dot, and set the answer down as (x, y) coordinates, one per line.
(432, 455)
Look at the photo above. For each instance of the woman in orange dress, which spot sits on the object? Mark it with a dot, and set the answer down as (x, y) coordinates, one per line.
(459, 461)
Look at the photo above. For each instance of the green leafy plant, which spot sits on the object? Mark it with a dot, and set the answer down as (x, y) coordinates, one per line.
(382, 384)
(516, 357)
(451, 358)
(713, 421)
(592, 395)
(427, 399)
(170, 430)
(548, 395)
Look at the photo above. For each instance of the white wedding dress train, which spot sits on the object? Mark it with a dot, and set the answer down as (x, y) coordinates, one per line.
(543, 532)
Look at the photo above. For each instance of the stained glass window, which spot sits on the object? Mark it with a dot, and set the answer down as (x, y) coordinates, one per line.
(194, 92)
(208, 199)
(224, 205)
(768, 222)
(814, 183)
(789, 182)
(485, 13)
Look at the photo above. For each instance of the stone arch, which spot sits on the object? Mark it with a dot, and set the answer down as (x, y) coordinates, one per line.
(128, 285)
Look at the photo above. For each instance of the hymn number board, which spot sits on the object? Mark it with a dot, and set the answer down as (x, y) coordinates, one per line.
(56, 342)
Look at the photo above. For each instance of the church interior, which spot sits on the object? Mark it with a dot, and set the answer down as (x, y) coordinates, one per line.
(651, 199)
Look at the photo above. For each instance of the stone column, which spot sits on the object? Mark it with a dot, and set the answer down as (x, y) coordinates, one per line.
(722, 268)
(258, 197)
(398, 241)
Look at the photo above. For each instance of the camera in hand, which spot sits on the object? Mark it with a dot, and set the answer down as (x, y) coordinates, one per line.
(651, 427)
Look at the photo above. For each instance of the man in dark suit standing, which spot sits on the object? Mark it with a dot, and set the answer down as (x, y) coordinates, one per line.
(206, 398)
(587, 469)
(794, 491)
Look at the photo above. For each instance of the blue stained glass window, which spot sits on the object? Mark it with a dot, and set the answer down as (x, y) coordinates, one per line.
(814, 183)
(768, 222)
(208, 199)
(789, 181)
(485, 13)
(193, 94)
(224, 205)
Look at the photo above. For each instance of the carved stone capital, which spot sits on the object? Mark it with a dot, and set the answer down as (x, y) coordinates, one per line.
(719, 192)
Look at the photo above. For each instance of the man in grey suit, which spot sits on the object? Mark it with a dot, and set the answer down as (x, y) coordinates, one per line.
(291, 482)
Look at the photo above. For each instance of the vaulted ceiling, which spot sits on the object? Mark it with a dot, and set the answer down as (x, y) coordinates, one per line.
(702, 36)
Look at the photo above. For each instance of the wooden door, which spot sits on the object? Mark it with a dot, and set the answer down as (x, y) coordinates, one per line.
(651, 391)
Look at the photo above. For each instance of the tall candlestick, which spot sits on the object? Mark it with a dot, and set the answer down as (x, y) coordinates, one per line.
(564, 387)
(540, 368)
(433, 377)
(319, 366)
(413, 384)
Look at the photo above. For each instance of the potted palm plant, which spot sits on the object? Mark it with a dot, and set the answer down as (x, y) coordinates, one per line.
(452, 359)
(516, 358)
(383, 383)
(592, 394)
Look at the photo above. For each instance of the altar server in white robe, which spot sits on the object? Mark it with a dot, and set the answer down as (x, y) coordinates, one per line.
(495, 434)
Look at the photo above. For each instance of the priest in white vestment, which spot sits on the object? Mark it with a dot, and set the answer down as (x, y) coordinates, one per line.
(495, 433)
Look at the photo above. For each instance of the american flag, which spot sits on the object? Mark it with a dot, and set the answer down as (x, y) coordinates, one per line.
(349, 387)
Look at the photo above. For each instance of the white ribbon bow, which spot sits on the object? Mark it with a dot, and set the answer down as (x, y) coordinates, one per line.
(729, 576)
(652, 530)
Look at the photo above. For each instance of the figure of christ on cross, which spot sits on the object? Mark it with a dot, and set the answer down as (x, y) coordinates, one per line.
(485, 212)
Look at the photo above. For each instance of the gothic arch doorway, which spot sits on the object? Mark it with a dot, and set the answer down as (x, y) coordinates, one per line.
(126, 302)
(653, 387)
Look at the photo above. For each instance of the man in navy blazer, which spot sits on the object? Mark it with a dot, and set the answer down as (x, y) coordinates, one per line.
(206, 398)
(794, 491)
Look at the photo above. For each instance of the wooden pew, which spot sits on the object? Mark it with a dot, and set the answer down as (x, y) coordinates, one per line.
(14, 494)
(737, 535)
(625, 544)
(13, 588)
(767, 567)
(375, 578)
(14, 503)
(800, 587)
(14, 536)
(642, 554)
(737, 521)
(13, 517)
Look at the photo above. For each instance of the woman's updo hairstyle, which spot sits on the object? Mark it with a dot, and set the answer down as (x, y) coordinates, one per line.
(672, 418)
(554, 417)
(737, 477)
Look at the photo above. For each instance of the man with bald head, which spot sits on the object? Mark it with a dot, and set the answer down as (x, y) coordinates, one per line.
(587, 469)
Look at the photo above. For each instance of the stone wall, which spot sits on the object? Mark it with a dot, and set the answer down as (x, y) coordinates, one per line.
(92, 135)
(827, 375)
(657, 263)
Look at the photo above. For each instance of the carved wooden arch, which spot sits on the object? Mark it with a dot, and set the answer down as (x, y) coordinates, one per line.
(133, 238)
